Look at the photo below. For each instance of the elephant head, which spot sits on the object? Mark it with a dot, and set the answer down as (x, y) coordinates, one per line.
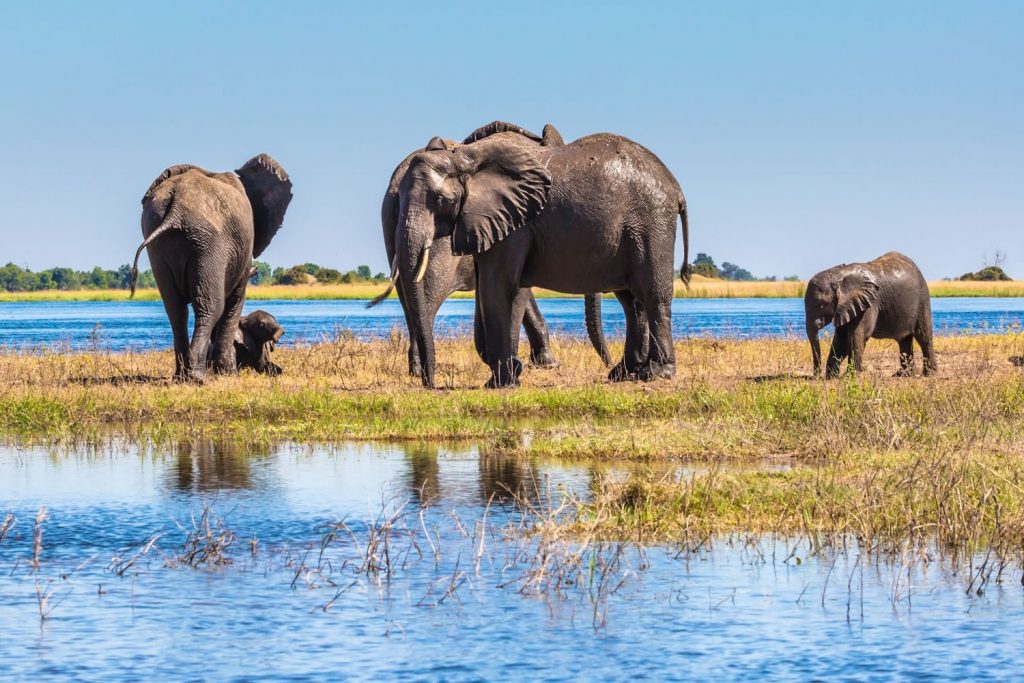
(269, 191)
(475, 194)
(837, 295)
(255, 338)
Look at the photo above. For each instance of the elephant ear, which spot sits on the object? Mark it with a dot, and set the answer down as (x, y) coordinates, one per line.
(269, 191)
(856, 292)
(551, 137)
(245, 338)
(177, 169)
(495, 127)
(506, 186)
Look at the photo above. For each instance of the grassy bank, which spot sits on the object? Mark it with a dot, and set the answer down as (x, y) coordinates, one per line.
(700, 288)
(766, 448)
(730, 399)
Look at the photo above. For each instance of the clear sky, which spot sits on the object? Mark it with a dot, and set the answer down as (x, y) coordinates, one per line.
(804, 133)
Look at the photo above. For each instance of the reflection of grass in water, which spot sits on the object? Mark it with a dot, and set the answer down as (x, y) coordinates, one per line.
(700, 288)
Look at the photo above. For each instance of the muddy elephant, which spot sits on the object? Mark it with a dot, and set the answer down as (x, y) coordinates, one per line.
(255, 339)
(886, 298)
(445, 272)
(594, 215)
(202, 231)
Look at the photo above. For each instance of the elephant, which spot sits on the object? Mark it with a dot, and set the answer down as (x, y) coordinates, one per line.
(886, 298)
(447, 273)
(255, 338)
(202, 231)
(594, 215)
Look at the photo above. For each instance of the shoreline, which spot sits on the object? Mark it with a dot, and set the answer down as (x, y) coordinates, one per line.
(700, 288)
(768, 448)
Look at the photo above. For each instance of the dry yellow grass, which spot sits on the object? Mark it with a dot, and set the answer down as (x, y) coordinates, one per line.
(700, 288)
(746, 399)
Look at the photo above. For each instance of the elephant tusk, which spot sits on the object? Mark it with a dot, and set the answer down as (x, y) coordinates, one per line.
(422, 270)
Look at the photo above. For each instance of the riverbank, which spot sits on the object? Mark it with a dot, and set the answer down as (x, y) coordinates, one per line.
(730, 399)
(765, 447)
(700, 288)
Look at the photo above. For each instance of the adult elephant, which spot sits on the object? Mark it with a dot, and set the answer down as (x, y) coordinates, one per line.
(202, 230)
(445, 272)
(886, 298)
(594, 215)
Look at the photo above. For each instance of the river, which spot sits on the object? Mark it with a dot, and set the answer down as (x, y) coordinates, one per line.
(119, 326)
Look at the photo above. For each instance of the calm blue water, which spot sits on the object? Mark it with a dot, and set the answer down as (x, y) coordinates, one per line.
(457, 605)
(143, 325)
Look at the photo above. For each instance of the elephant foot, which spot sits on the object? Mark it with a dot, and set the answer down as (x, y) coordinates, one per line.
(904, 372)
(544, 360)
(620, 373)
(415, 370)
(505, 374)
(652, 371)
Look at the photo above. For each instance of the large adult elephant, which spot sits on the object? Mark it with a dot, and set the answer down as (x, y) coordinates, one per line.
(595, 215)
(202, 230)
(445, 272)
(886, 298)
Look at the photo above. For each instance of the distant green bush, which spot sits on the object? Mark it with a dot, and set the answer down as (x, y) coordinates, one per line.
(988, 274)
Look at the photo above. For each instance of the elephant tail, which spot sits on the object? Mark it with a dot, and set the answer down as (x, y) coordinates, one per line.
(595, 330)
(170, 222)
(686, 270)
(391, 285)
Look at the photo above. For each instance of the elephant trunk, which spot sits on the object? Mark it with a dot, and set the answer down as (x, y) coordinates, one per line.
(812, 337)
(413, 257)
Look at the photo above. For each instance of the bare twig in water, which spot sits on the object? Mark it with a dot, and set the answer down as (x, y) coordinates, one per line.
(6, 525)
(120, 564)
(206, 543)
(37, 536)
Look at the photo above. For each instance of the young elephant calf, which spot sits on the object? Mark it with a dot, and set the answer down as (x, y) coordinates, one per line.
(886, 298)
(255, 338)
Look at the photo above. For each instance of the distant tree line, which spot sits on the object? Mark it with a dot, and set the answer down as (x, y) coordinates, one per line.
(705, 265)
(308, 273)
(14, 278)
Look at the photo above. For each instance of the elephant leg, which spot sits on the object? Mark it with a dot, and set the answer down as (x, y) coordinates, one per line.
(858, 340)
(223, 343)
(906, 357)
(177, 314)
(536, 331)
(661, 358)
(479, 334)
(838, 352)
(496, 300)
(207, 314)
(637, 339)
(924, 340)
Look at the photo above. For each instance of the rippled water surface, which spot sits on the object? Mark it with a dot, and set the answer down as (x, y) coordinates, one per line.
(458, 603)
(143, 325)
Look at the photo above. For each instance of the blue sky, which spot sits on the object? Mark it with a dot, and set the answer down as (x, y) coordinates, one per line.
(804, 134)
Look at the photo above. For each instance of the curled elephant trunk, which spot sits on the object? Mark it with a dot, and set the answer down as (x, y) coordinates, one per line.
(812, 337)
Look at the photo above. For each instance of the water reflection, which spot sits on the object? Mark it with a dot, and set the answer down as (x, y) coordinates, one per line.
(210, 465)
(424, 474)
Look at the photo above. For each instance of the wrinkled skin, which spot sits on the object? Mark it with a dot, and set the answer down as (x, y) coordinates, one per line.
(595, 215)
(255, 339)
(886, 298)
(446, 273)
(202, 230)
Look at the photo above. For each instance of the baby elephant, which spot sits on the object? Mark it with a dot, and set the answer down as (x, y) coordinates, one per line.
(255, 338)
(886, 299)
